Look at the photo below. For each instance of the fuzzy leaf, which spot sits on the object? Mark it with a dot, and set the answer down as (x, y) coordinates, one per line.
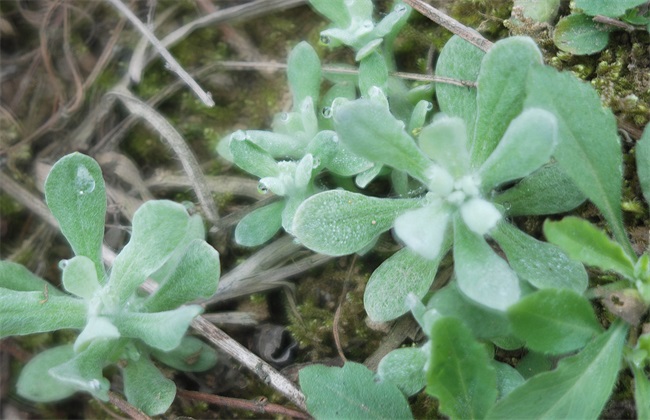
(501, 91)
(539, 263)
(76, 195)
(445, 141)
(346, 163)
(578, 388)
(303, 72)
(146, 387)
(460, 375)
(97, 328)
(192, 355)
(641, 393)
(424, 230)
(608, 8)
(260, 225)
(584, 242)
(554, 321)
(351, 392)
(403, 273)
(372, 72)
(80, 277)
(339, 222)
(482, 275)
(578, 34)
(539, 10)
(18, 278)
(37, 385)
(404, 367)
(252, 158)
(508, 379)
(643, 163)
(334, 10)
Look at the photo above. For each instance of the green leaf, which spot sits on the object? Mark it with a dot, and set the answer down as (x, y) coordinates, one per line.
(346, 163)
(589, 151)
(482, 275)
(508, 379)
(372, 72)
(304, 73)
(97, 328)
(425, 230)
(80, 277)
(539, 10)
(339, 222)
(260, 225)
(584, 242)
(539, 263)
(37, 385)
(546, 191)
(368, 129)
(351, 392)
(526, 145)
(578, 388)
(404, 367)
(334, 10)
(554, 321)
(641, 392)
(18, 278)
(161, 330)
(192, 355)
(76, 195)
(534, 363)
(146, 387)
(159, 227)
(460, 375)
(403, 273)
(643, 163)
(24, 313)
(445, 141)
(252, 158)
(578, 34)
(196, 276)
(608, 8)
(501, 91)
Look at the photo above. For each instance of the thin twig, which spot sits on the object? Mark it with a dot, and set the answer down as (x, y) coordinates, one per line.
(254, 406)
(339, 309)
(614, 22)
(173, 65)
(468, 34)
(127, 408)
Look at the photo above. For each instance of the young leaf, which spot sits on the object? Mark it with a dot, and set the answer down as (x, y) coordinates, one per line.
(554, 321)
(460, 375)
(192, 355)
(97, 328)
(641, 392)
(584, 242)
(334, 10)
(608, 8)
(539, 263)
(80, 277)
(36, 384)
(578, 34)
(589, 150)
(534, 363)
(540, 11)
(403, 273)
(303, 72)
(260, 225)
(643, 163)
(445, 141)
(425, 229)
(351, 392)
(339, 222)
(501, 91)
(146, 387)
(18, 278)
(372, 72)
(252, 158)
(404, 367)
(76, 195)
(508, 379)
(578, 388)
(482, 275)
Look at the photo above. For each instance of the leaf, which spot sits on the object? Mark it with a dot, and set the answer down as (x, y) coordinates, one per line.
(351, 392)
(403, 273)
(539, 10)
(18, 278)
(369, 130)
(608, 8)
(304, 73)
(192, 355)
(252, 158)
(526, 145)
(534, 363)
(578, 388)
(372, 72)
(24, 313)
(425, 229)
(501, 92)
(346, 163)
(260, 225)
(578, 34)
(482, 275)
(584, 242)
(589, 151)
(508, 379)
(546, 191)
(37, 385)
(539, 263)
(97, 328)
(334, 10)
(76, 195)
(146, 387)
(641, 392)
(339, 222)
(404, 367)
(554, 321)
(643, 163)
(196, 276)
(80, 277)
(445, 141)
(460, 375)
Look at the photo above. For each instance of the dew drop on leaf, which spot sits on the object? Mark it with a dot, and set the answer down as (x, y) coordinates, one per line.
(400, 8)
(284, 117)
(325, 39)
(84, 182)
(327, 112)
(63, 264)
(239, 135)
(262, 188)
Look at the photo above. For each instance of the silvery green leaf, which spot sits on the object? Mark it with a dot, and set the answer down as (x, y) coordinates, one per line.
(404, 367)
(546, 191)
(539, 10)
(304, 171)
(482, 275)
(392, 22)
(97, 328)
(402, 274)
(334, 10)
(643, 163)
(323, 147)
(372, 72)
(419, 115)
(308, 119)
(18, 278)
(159, 227)
(260, 225)
(508, 379)
(479, 215)
(35, 384)
(424, 230)
(370, 130)
(369, 48)
(541, 264)
(146, 387)
(304, 73)
(346, 163)
(364, 178)
(195, 276)
(607, 8)
(278, 145)
(192, 355)
(252, 158)
(340, 222)
(289, 211)
(445, 141)
(578, 34)
(76, 195)
(501, 91)
(80, 277)
(24, 313)
(526, 145)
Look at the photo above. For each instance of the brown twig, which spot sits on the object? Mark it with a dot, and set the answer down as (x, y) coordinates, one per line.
(614, 22)
(254, 406)
(468, 34)
(127, 408)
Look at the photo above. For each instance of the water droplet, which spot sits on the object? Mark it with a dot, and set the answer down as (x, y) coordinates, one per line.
(316, 162)
(239, 135)
(284, 117)
(94, 384)
(262, 188)
(84, 182)
(63, 264)
(400, 8)
(324, 39)
(327, 112)
(368, 25)
(429, 106)
(335, 138)
(507, 206)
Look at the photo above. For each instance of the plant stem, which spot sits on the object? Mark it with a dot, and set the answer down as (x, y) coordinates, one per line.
(254, 406)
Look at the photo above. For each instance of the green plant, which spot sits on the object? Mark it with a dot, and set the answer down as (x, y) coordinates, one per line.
(119, 324)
